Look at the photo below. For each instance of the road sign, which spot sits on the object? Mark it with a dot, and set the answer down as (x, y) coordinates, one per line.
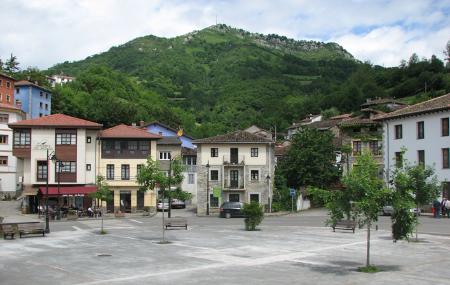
(292, 192)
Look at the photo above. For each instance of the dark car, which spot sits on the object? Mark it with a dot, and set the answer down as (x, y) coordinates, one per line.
(232, 210)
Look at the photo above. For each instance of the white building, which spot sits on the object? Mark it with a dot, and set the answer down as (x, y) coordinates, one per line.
(71, 142)
(9, 179)
(423, 131)
(59, 79)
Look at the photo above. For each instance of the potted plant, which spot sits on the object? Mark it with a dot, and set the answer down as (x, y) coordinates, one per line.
(254, 214)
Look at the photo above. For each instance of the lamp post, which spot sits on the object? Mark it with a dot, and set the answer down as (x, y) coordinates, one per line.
(169, 213)
(207, 188)
(50, 156)
(270, 194)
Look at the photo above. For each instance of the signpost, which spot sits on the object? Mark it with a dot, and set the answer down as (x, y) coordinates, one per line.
(292, 192)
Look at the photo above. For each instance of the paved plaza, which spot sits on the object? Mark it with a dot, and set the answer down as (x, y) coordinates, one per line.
(290, 249)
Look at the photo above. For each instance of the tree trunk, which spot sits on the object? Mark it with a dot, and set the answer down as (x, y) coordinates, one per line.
(368, 245)
(417, 225)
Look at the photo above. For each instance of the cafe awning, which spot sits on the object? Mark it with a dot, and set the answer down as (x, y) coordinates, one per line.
(68, 190)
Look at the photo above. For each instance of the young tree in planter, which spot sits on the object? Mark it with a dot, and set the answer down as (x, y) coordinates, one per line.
(414, 186)
(254, 214)
(103, 194)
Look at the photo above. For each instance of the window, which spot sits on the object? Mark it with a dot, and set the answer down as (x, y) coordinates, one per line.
(66, 139)
(3, 139)
(254, 198)
(446, 190)
(232, 197)
(144, 146)
(138, 169)
(420, 130)
(374, 148)
(110, 171)
(8, 84)
(398, 159)
(3, 160)
(125, 172)
(41, 94)
(17, 90)
(357, 147)
(214, 152)
(445, 158)
(66, 167)
(88, 139)
(164, 155)
(4, 118)
(190, 178)
(132, 145)
(40, 114)
(42, 170)
(254, 175)
(421, 157)
(46, 106)
(398, 132)
(254, 152)
(41, 105)
(213, 201)
(445, 127)
(22, 138)
(46, 95)
(1, 82)
(8, 98)
(190, 160)
(88, 167)
(214, 175)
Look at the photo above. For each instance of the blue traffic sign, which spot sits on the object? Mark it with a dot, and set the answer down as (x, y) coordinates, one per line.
(292, 191)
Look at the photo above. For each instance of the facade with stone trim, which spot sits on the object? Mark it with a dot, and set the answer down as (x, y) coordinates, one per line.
(235, 167)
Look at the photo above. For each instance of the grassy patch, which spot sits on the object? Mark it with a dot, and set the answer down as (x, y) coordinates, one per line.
(369, 269)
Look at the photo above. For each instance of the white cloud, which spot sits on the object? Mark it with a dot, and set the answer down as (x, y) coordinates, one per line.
(42, 33)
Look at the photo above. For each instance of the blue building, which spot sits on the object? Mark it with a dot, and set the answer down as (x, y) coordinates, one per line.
(33, 99)
(166, 131)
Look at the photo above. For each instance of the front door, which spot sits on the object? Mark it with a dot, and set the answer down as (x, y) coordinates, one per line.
(234, 178)
(234, 155)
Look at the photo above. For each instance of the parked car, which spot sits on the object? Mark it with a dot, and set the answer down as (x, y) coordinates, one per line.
(233, 209)
(160, 205)
(389, 210)
(178, 204)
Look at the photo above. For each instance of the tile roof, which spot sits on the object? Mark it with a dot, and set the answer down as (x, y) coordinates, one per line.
(188, 151)
(324, 125)
(380, 101)
(28, 83)
(57, 120)
(169, 140)
(234, 137)
(441, 103)
(7, 76)
(357, 121)
(124, 131)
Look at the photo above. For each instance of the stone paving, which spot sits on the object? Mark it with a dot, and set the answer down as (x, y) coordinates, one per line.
(219, 251)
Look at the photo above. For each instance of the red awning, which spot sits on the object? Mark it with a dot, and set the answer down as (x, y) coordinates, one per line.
(68, 190)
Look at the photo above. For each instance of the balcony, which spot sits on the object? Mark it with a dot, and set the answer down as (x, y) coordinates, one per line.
(234, 160)
(190, 168)
(234, 185)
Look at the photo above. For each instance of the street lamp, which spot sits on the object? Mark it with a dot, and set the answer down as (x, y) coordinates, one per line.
(50, 156)
(207, 188)
(270, 196)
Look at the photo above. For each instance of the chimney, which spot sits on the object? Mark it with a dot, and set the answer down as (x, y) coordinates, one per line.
(141, 123)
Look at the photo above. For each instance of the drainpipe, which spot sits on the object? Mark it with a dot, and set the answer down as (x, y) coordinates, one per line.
(387, 153)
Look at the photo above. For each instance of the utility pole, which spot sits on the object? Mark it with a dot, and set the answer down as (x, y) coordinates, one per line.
(207, 189)
(170, 196)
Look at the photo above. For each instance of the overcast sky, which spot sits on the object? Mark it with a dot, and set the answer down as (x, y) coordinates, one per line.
(43, 33)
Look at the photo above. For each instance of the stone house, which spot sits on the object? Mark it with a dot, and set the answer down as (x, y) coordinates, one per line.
(235, 167)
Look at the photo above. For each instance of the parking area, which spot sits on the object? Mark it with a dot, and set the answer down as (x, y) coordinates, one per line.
(295, 248)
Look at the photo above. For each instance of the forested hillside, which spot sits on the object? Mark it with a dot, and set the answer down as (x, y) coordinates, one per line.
(219, 79)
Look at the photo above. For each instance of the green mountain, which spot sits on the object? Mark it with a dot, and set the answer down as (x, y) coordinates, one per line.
(221, 78)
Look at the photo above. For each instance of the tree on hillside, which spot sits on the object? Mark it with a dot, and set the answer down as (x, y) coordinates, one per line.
(11, 65)
(414, 186)
(103, 194)
(310, 160)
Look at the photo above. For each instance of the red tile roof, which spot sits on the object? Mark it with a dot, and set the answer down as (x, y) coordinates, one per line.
(124, 131)
(234, 137)
(441, 103)
(56, 121)
(7, 76)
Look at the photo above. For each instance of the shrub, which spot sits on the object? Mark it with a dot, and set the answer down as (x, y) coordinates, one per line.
(254, 214)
